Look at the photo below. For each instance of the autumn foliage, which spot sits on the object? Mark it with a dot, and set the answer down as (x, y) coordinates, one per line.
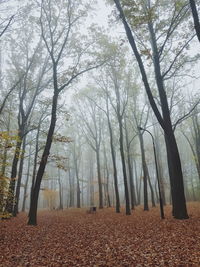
(76, 238)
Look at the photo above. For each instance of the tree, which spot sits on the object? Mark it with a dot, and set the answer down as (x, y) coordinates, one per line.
(120, 82)
(92, 129)
(27, 99)
(149, 16)
(58, 21)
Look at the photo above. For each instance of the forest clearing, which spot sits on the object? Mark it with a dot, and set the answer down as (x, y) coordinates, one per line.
(99, 133)
(75, 238)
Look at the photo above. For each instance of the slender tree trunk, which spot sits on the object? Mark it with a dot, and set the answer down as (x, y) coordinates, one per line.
(91, 184)
(99, 177)
(121, 143)
(60, 192)
(10, 199)
(78, 191)
(2, 175)
(160, 168)
(156, 192)
(71, 190)
(18, 187)
(35, 162)
(145, 172)
(34, 200)
(196, 138)
(136, 182)
(151, 190)
(107, 186)
(106, 175)
(130, 169)
(117, 207)
(26, 183)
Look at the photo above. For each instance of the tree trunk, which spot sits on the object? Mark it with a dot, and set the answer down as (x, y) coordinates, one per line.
(10, 199)
(195, 18)
(136, 183)
(145, 172)
(117, 207)
(2, 175)
(91, 184)
(151, 190)
(99, 178)
(176, 178)
(121, 143)
(71, 190)
(60, 191)
(35, 162)
(34, 199)
(78, 191)
(26, 183)
(160, 168)
(107, 186)
(130, 169)
(18, 187)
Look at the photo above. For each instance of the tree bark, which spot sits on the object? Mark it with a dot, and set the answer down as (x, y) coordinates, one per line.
(60, 192)
(26, 183)
(117, 207)
(34, 199)
(151, 190)
(99, 177)
(18, 187)
(195, 18)
(130, 169)
(145, 172)
(121, 143)
(10, 199)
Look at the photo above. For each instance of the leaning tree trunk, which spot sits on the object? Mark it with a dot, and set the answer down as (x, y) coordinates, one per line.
(195, 18)
(35, 194)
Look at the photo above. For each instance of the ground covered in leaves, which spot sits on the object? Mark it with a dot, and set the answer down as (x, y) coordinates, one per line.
(75, 238)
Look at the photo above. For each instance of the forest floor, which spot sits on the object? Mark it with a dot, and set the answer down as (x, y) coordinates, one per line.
(74, 238)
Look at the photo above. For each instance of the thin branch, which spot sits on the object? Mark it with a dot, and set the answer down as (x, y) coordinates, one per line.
(184, 117)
